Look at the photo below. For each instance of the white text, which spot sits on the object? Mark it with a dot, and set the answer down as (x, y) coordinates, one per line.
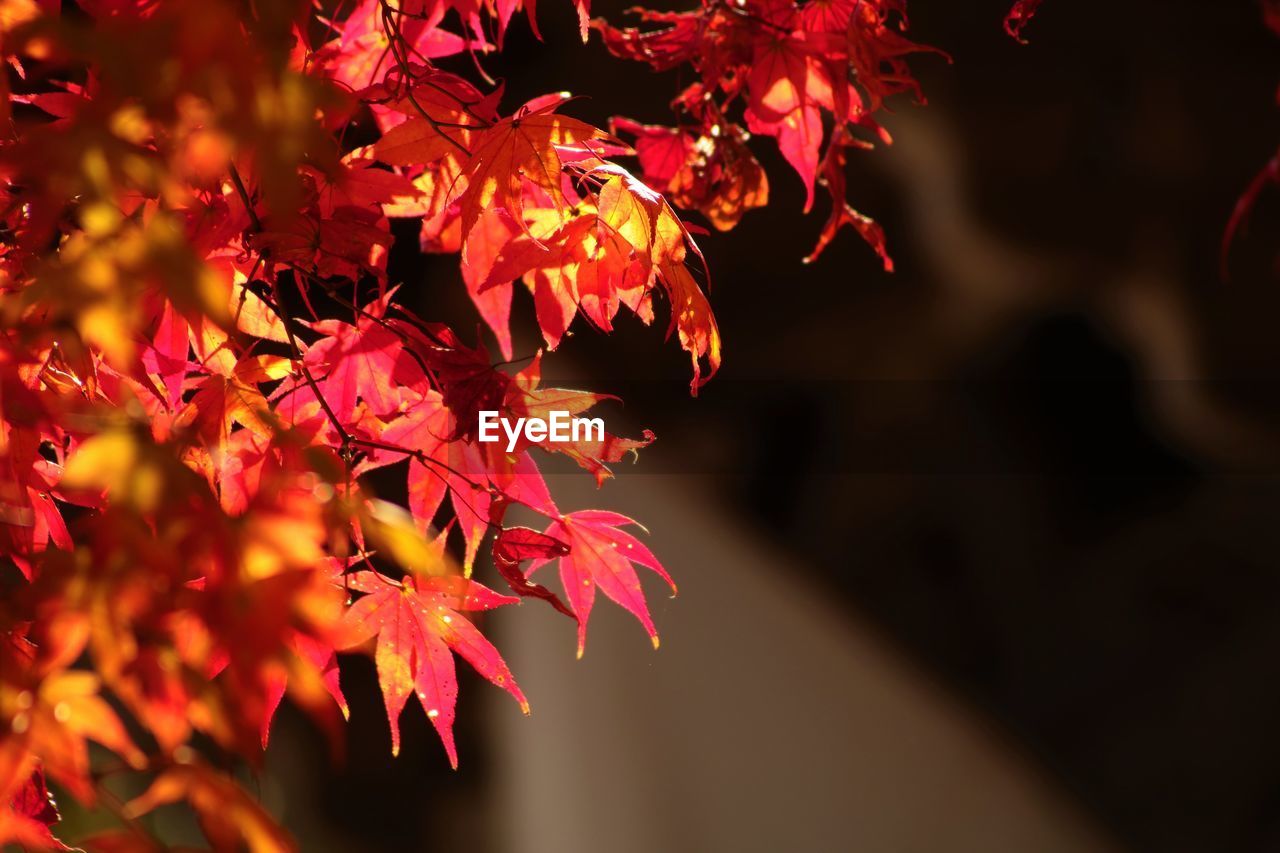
(559, 427)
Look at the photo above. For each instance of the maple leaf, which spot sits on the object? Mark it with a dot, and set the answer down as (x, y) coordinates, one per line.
(360, 53)
(440, 122)
(222, 402)
(363, 362)
(485, 480)
(31, 814)
(647, 223)
(513, 546)
(446, 462)
(492, 233)
(717, 175)
(63, 712)
(877, 52)
(519, 148)
(788, 85)
(466, 378)
(167, 355)
(551, 255)
(692, 320)
(799, 136)
(250, 312)
(32, 520)
(843, 213)
(424, 428)
(34, 801)
(664, 48)
(321, 656)
(346, 244)
(228, 815)
(600, 555)
(357, 183)
(662, 151)
(1019, 16)
(418, 628)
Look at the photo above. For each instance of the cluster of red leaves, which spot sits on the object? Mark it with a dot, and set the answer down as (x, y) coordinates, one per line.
(812, 76)
(201, 359)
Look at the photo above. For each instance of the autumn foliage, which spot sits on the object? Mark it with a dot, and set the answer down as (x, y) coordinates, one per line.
(203, 357)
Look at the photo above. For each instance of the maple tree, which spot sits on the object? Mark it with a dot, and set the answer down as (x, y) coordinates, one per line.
(203, 357)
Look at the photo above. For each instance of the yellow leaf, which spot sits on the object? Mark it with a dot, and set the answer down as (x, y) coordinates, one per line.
(393, 532)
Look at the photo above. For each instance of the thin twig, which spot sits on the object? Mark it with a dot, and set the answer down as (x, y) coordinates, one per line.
(421, 456)
(394, 38)
(287, 319)
(244, 197)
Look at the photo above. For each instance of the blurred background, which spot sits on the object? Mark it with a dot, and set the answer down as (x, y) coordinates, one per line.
(983, 555)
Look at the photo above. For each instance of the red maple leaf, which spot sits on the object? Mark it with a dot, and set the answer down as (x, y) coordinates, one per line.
(600, 555)
(418, 628)
(31, 814)
(514, 545)
(1019, 16)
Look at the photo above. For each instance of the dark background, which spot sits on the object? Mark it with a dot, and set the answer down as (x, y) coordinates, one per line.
(1041, 457)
